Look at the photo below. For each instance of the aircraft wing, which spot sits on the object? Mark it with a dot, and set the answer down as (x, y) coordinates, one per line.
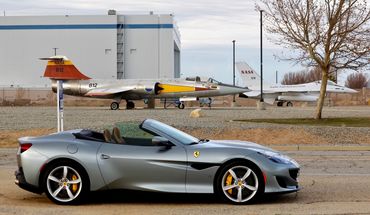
(269, 97)
(108, 91)
(269, 100)
(252, 93)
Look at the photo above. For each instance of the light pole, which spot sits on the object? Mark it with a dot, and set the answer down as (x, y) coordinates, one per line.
(276, 77)
(261, 99)
(60, 101)
(55, 51)
(234, 67)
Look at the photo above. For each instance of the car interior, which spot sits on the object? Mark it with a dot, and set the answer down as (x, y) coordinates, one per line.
(113, 137)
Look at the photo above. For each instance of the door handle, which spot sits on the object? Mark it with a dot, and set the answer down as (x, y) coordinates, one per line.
(103, 156)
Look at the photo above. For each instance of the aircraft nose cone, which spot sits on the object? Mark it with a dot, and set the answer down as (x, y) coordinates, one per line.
(232, 90)
(352, 91)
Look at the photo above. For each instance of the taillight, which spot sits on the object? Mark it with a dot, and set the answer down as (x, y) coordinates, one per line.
(25, 147)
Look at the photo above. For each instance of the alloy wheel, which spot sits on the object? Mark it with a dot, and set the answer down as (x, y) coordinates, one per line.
(239, 184)
(64, 184)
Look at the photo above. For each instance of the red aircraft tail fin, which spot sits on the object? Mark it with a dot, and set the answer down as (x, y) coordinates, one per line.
(61, 68)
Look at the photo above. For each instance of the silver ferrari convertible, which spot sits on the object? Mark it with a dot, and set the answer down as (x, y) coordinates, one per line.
(159, 158)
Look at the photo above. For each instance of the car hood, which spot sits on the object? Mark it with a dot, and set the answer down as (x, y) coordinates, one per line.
(237, 144)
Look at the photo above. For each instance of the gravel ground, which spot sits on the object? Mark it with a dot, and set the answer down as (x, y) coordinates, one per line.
(214, 121)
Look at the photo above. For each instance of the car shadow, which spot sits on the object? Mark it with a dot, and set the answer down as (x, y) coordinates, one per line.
(129, 196)
(143, 197)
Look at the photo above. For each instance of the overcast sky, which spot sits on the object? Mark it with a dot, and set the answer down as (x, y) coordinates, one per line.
(207, 29)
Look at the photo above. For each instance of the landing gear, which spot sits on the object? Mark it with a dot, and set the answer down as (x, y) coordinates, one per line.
(281, 103)
(289, 104)
(114, 106)
(181, 105)
(130, 105)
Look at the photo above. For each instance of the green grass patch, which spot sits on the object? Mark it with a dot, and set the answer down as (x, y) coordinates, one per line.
(131, 129)
(339, 122)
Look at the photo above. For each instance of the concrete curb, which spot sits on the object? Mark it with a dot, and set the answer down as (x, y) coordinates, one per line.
(319, 148)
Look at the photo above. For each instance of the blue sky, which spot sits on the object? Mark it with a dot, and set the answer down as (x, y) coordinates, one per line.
(207, 29)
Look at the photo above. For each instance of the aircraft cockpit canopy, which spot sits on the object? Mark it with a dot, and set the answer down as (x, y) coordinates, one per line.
(196, 79)
(214, 81)
(199, 79)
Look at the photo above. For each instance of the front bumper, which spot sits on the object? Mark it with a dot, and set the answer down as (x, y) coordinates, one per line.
(285, 181)
(21, 182)
(289, 182)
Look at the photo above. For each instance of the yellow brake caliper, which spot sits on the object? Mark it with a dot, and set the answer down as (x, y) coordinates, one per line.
(74, 186)
(229, 181)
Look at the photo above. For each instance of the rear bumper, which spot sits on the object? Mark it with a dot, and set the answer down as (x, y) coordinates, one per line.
(21, 182)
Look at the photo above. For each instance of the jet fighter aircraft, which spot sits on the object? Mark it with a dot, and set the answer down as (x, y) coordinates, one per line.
(308, 92)
(77, 84)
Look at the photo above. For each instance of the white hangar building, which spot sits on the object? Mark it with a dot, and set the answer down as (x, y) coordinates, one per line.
(100, 46)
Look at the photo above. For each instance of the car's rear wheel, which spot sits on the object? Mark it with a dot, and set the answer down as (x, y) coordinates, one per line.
(65, 183)
(239, 183)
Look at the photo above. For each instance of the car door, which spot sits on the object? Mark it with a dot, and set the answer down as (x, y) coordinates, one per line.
(154, 168)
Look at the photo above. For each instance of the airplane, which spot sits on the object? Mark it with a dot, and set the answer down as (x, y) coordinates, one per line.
(77, 84)
(308, 92)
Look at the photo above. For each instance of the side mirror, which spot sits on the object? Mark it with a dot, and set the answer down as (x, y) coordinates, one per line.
(161, 141)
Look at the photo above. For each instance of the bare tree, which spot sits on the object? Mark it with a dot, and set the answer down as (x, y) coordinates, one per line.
(314, 74)
(330, 34)
(302, 77)
(294, 78)
(356, 81)
(305, 76)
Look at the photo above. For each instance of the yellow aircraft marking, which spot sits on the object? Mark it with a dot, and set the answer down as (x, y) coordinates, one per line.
(168, 88)
(57, 63)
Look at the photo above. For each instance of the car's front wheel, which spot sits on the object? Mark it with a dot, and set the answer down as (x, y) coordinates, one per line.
(239, 183)
(65, 183)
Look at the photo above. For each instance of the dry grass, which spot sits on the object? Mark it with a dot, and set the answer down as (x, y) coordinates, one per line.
(259, 135)
(267, 136)
(339, 122)
(10, 138)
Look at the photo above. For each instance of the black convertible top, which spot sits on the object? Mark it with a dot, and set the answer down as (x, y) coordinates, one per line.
(86, 134)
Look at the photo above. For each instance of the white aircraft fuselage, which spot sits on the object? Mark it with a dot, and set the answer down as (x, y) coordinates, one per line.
(308, 92)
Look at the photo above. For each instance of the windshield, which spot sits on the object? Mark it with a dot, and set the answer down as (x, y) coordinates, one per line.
(174, 133)
(214, 81)
(133, 130)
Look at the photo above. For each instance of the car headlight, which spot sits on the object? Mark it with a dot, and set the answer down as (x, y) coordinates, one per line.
(277, 157)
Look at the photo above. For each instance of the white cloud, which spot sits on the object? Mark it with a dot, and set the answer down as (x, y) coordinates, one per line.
(202, 23)
(207, 27)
